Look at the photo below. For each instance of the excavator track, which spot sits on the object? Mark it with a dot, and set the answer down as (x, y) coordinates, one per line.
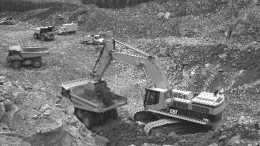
(155, 124)
(143, 116)
(181, 128)
(148, 127)
(174, 125)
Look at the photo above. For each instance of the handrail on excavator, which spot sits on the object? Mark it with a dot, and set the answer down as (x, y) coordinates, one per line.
(132, 48)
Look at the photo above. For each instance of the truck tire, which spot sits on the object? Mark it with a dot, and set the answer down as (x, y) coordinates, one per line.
(37, 62)
(78, 113)
(16, 64)
(113, 114)
(35, 35)
(87, 119)
(42, 37)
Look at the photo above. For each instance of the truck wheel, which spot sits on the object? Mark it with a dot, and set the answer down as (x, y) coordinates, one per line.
(37, 62)
(16, 64)
(42, 38)
(102, 119)
(78, 113)
(87, 119)
(113, 114)
(35, 35)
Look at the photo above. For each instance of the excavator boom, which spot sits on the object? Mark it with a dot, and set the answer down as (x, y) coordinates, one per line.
(141, 61)
(146, 64)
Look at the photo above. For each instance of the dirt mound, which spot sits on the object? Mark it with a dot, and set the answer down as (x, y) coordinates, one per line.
(185, 18)
(31, 115)
(61, 137)
(202, 64)
(104, 93)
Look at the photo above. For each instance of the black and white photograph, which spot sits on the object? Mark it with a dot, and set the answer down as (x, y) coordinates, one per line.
(129, 72)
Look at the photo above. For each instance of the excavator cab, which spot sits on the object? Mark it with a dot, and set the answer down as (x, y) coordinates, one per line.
(151, 97)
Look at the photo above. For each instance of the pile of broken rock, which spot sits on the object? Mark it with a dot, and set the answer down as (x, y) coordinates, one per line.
(30, 117)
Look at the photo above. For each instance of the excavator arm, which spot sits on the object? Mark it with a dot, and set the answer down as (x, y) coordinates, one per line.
(141, 61)
(146, 64)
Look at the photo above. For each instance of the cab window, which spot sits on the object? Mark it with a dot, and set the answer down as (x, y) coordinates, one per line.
(152, 97)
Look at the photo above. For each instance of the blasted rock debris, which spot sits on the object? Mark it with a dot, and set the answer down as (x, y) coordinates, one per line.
(203, 45)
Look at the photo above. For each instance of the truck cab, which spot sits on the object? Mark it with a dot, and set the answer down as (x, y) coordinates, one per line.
(44, 33)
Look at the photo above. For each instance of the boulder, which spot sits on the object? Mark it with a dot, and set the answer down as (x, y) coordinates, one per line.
(160, 15)
(147, 144)
(80, 19)
(235, 140)
(172, 135)
(222, 137)
(167, 15)
(49, 126)
(223, 56)
(2, 110)
(44, 107)
(161, 137)
(213, 144)
(140, 123)
(245, 120)
(100, 140)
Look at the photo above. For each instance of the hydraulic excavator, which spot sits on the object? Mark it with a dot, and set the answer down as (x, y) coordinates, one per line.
(168, 106)
(162, 105)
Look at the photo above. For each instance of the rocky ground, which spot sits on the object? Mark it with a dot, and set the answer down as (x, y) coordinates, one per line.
(191, 50)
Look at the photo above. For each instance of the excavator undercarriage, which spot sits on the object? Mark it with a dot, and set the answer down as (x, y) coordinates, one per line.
(157, 123)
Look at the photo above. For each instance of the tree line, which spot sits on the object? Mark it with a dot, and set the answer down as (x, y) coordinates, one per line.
(21, 6)
(114, 3)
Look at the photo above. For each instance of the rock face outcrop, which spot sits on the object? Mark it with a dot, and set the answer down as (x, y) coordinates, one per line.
(30, 117)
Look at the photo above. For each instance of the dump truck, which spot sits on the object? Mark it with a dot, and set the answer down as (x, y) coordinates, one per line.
(90, 106)
(44, 33)
(93, 39)
(18, 56)
(68, 28)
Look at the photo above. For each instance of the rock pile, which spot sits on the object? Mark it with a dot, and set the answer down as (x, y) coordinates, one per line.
(8, 21)
(244, 132)
(103, 92)
(29, 117)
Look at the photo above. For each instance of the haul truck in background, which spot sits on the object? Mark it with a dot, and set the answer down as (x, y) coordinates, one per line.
(18, 56)
(69, 28)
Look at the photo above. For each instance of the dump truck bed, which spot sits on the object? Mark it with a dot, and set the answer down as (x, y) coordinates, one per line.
(30, 52)
(83, 96)
(35, 49)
